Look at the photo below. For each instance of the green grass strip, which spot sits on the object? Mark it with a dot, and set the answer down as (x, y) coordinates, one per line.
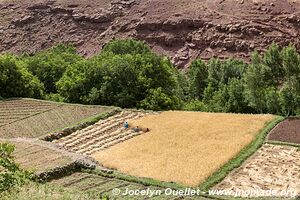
(241, 157)
(134, 179)
(144, 181)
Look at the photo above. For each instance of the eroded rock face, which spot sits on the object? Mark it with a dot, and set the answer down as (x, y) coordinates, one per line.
(272, 167)
(181, 29)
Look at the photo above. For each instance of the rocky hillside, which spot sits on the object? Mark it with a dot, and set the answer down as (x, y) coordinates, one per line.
(181, 29)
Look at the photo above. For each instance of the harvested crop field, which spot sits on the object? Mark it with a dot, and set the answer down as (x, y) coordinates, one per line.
(286, 131)
(36, 118)
(100, 185)
(39, 156)
(101, 135)
(183, 147)
(272, 167)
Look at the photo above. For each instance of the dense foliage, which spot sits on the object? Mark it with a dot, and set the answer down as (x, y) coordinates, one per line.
(16, 80)
(125, 74)
(11, 174)
(128, 74)
(50, 65)
(269, 84)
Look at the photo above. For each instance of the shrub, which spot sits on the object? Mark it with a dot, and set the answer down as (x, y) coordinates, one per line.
(195, 105)
(12, 175)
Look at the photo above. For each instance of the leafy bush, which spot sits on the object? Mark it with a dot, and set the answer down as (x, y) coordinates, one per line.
(195, 105)
(12, 175)
(54, 97)
(129, 46)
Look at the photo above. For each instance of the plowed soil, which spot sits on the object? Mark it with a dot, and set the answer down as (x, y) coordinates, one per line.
(181, 29)
(286, 131)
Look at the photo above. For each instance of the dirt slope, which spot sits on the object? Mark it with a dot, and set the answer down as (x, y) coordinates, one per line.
(181, 29)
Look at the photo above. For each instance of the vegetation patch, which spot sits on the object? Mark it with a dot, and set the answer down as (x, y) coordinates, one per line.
(11, 175)
(128, 74)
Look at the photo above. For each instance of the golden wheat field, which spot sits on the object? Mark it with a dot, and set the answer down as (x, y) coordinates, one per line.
(183, 147)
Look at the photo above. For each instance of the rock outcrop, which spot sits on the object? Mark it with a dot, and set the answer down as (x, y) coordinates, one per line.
(181, 29)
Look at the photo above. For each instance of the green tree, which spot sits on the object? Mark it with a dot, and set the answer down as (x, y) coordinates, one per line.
(273, 101)
(197, 75)
(291, 64)
(273, 60)
(236, 100)
(158, 100)
(289, 100)
(16, 80)
(120, 79)
(255, 83)
(50, 65)
(220, 73)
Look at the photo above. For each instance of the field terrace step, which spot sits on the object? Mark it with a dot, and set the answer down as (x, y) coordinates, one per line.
(121, 138)
(103, 142)
(105, 136)
(66, 139)
(84, 136)
(102, 134)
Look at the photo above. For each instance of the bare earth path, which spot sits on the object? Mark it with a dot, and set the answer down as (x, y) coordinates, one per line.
(272, 167)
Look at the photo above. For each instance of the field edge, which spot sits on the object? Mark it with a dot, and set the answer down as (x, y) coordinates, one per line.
(63, 132)
(242, 156)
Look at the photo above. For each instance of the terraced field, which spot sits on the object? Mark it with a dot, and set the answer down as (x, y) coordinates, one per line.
(35, 118)
(102, 134)
(18, 109)
(103, 186)
(39, 156)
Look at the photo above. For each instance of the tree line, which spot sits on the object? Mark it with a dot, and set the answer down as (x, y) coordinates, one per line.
(128, 74)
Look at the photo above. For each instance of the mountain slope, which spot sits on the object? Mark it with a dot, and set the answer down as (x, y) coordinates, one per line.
(181, 29)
